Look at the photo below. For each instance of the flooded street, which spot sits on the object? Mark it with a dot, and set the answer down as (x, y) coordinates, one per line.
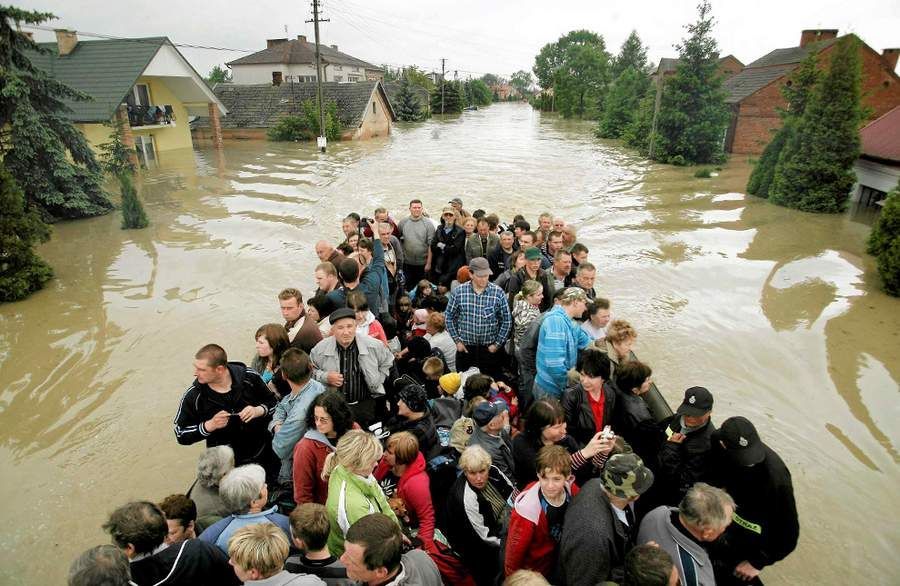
(777, 312)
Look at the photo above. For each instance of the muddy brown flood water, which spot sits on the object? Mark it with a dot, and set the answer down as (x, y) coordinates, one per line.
(777, 312)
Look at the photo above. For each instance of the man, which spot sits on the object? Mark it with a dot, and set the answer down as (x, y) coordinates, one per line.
(703, 515)
(526, 353)
(499, 257)
(448, 250)
(482, 242)
(684, 457)
(531, 271)
(550, 247)
(328, 253)
(579, 254)
(139, 530)
(309, 531)
(562, 265)
(258, 552)
(558, 224)
(393, 256)
(181, 518)
(326, 276)
(600, 524)
(303, 333)
(289, 420)
(765, 528)
(363, 271)
(545, 225)
(103, 565)
(369, 266)
(648, 565)
(350, 226)
(381, 216)
(559, 342)
(416, 232)
(355, 364)
(524, 237)
(492, 433)
(585, 276)
(457, 204)
(227, 404)
(374, 556)
(479, 321)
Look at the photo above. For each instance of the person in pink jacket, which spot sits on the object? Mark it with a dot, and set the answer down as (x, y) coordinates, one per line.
(402, 475)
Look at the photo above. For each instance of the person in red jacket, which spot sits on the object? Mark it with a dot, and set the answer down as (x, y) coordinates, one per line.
(536, 523)
(401, 474)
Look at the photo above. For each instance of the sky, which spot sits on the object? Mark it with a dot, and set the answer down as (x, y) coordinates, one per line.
(474, 36)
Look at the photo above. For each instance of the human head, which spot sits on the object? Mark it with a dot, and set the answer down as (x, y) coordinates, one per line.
(329, 414)
(696, 407)
(358, 451)
(243, 488)
(554, 242)
(562, 262)
(433, 368)
(506, 240)
(210, 364)
(372, 549)
(102, 565)
(380, 214)
(526, 578)
(449, 383)
(491, 416)
(324, 249)
(477, 385)
(482, 227)
(558, 224)
(271, 342)
(320, 307)
(412, 399)
(469, 224)
(310, 527)
(633, 377)
(401, 449)
(479, 213)
(181, 515)
(415, 208)
(527, 238)
(343, 325)
(516, 260)
(257, 551)
(435, 324)
(579, 251)
(569, 235)
(349, 271)
(480, 270)
(545, 221)
(533, 258)
(545, 421)
(449, 215)
(532, 292)
(366, 249)
(554, 466)
(706, 511)
(625, 477)
(649, 565)
(356, 300)
(457, 203)
(404, 303)
(295, 366)
(573, 301)
(385, 231)
(594, 368)
(353, 241)
(493, 221)
(586, 276)
(598, 312)
(350, 226)
(137, 527)
(326, 277)
(214, 463)
(475, 463)
(741, 441)
(622, 336)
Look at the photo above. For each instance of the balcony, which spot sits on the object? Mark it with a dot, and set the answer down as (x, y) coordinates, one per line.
(147, 117)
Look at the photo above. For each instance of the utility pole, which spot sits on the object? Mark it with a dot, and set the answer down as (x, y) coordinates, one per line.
(322, 141)
(443, 63)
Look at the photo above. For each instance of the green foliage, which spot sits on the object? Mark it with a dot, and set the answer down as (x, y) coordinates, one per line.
(637, 133)
(693, 116)
(305, 126)
(521, 81)
(133, 215)
(542, 101)
(418, 78)
(478, 93)
(815, 169)
(704, 173)
(454, 98)
(115, 156)
(491, 79)
(884, 243)
(218, 75)
(48, 156)
(21, 270)
(760, 181)
(581, 78)
(409, 109)
(633, 54)
(622, 103)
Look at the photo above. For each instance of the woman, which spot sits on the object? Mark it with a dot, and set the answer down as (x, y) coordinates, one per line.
(353, 492)
(438, 337)
(476, 513)
(403, 313)
(353, 242)
(318, 309)
(402, 476)
(213, 465)
(545, 425)
(271, 342)
(590, 404)
(596, 319)
(366, 323)
(633, 420)
(526, 307)
(327, 420)
(620, 339)
(516, 262)
(468, 225)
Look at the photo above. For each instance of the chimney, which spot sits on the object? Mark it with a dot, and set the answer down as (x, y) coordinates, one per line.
(276, 78)
(65, 41)
(301, 38)
(813, 35)
(334, 47)
(890, 58)
(274, 42)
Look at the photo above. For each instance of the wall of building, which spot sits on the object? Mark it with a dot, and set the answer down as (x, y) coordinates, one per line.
(173, 136)
(257, 74)
(377, 122)
(875, 175)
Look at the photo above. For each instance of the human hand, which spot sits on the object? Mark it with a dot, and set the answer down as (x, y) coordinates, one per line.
(594, 446)
(677, 437)
(427, 267)
(460, 347)
(250, 412)
(334, 379)
(745, 571)
(607, 443)
(218, 421)
(276, 427)
(493, 348)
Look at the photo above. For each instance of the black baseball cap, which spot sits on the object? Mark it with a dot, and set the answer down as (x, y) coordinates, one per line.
(742, 443)
(697, 401)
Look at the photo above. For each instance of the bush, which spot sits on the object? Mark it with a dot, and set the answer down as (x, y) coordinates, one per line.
(704, 173)
(305, 126)
(133, 216)
(677, 160)
(884, 243)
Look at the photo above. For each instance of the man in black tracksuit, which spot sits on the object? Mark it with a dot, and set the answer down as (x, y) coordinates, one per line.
(765, 526)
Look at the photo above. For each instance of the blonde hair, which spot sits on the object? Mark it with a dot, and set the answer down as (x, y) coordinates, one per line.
(405, 447)
(357, 450)
(262, 547)
(529, 287)
(525, 578)
(433, 366)
(474, 459)
(620, 330)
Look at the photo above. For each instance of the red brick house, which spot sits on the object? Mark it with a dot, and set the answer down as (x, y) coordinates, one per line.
(755, 93)
(878, 167)
(729, 66)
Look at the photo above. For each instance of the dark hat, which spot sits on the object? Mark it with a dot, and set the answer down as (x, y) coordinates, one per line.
(742, 443)
(415, 398)
(533, 253)
(626, 477)
(457, 201)
(486, 411)
(479, 267)
(341, 313)
(697, 401)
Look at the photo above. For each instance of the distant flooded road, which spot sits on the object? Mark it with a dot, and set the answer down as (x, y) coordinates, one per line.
(777, 312)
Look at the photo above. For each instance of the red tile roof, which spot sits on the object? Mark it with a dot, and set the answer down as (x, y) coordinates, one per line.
(881, 138)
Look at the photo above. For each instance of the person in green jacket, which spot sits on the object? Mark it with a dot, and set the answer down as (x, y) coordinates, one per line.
(353, 492)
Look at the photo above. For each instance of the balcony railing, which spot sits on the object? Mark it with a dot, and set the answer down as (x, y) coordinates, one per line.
(150, 115)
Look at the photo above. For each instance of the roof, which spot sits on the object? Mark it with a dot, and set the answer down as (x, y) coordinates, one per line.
(792, 54)
(298, 52)
(881, 138)
(261, 106)
(392, 88)
(667, 64)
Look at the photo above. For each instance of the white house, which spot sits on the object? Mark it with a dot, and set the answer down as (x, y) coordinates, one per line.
(878, 166)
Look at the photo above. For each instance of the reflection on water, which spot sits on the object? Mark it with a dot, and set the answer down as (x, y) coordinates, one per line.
(776, 311)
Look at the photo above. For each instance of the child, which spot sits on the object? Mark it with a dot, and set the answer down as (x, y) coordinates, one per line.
(423, 291)
(447, 408)
(258, 553)
(536, 522)
(366, 323)
(309, 532)
(419, 322)
(432, 368)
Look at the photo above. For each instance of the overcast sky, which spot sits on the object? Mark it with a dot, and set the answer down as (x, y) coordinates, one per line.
(475, 37)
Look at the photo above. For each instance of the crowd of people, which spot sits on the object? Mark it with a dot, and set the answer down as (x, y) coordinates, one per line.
(455, 404)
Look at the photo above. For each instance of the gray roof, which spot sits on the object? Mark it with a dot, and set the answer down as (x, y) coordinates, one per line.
(106, 70)
(791, 55)
(667, 64)
(298, 52)
(392, 88)
(262, 106)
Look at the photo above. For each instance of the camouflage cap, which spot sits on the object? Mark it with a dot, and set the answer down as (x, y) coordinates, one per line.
(625, 476)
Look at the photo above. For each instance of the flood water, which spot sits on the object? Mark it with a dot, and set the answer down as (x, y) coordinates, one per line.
(777, 312)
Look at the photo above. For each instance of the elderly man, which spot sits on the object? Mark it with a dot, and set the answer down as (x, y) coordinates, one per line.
(703, 515)
(303, 333)
(416, 232)
(374, 556)
(532, 271)
(479, 320)
(104, 565)
(492, 433)
(499, 257)
(600, 523)
(482, 242)
(684, 457)
(328, 253)
(559, 342)
(356, 364)
(585, 276)
(227, 404)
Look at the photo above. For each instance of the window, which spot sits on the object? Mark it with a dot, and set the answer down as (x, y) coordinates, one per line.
(339, 78)
(869, 196)
(307, 78)
(139, 95)
(276, 78)
(353, 78)
(145, 148)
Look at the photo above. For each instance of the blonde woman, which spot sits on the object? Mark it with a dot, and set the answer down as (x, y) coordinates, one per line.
(620, 339)
(526, 307)
(353, 492)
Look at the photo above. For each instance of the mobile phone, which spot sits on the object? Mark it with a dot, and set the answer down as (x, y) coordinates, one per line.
(607, 433)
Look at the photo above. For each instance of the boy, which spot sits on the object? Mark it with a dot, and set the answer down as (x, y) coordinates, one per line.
(432, 368)
(446, 409)
(309, 532)
(257, 555)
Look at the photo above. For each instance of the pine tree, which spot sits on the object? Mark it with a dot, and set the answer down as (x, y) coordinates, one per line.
(116, 159)
(48, 156)
(22, 271)
(622, 103)
(693, 116)
(815, 169)
(133, 216)
(884, 243)
(454, 98)
(408, 107)
(633, 54)
(797, 93)
(637, 134)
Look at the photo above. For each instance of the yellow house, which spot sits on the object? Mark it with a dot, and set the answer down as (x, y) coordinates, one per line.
(146, 82)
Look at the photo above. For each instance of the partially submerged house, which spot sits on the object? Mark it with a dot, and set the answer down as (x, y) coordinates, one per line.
(286, 60)
(363, 108)
(146, 82)
(878, 167)
(754, 94)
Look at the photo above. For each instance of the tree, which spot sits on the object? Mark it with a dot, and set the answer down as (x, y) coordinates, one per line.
(637, 133)
(633, 54)
(623, 102)
(815, 169)
(521, 81)
(133, 216)
(22, 271)
(693, 116)
(884, 243)
(218, 75)
(116, 159)
(581, 78)
(418, 78)
(478, 93)
(48, 156)
(797, 93)
(409, 109)
(305, 126)
(491, 79)
(454, 96)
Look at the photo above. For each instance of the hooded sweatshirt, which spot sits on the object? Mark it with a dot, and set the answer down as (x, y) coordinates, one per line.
(414, 488)
(309, 459)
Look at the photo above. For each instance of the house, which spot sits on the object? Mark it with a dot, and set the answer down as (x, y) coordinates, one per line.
(144, 82)
(878, 167)
(755, 93)
(729, 66)
(392, 88)
(502, 91)
(363, 108)
(295, 60)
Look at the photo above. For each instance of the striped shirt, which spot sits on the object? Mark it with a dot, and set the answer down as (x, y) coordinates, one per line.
(478, 319)
(354, 387)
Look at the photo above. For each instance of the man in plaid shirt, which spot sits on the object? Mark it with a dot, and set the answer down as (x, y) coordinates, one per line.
(478, 320)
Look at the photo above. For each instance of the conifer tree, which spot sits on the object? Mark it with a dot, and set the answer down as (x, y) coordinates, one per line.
(408, 107)
(884, 243)
(633, 54)
(133, 216)
(622, 102)
(815, 169)
(116, 159)
(637, 133)
(453, 98)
